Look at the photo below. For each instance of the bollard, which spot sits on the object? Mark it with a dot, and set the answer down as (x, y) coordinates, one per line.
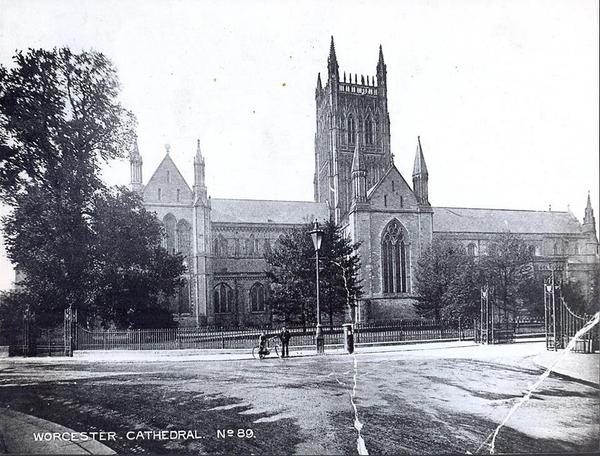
(348, 338)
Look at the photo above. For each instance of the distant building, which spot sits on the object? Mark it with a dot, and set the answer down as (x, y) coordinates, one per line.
(357, 185)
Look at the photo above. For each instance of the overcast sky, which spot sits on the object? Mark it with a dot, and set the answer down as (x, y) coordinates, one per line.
(504, 94)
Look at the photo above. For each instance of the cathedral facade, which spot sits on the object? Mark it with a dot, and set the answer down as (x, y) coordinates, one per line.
(357, 185)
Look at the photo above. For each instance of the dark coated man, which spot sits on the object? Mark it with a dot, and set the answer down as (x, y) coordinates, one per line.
(285, 336)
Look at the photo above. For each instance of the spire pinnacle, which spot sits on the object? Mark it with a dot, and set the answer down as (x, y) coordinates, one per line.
(357, 160)
(420, 167)
(319, 84)
(198, 157)
(332, 56)
(332, 65)
(589, 218)
(380, 62)
(135, 153)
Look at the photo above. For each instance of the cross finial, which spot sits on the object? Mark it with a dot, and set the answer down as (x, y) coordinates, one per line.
(168, 148)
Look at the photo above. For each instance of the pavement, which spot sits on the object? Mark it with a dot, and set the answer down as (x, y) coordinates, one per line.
(18, 432)
(57, 439)
(584, 367)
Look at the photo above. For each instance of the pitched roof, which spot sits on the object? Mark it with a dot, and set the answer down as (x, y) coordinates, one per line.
(266, 211)
(471, 220)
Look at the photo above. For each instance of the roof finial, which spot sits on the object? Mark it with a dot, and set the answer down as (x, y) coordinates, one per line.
(167, 148)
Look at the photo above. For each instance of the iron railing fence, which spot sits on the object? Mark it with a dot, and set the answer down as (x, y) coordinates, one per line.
(246, 338)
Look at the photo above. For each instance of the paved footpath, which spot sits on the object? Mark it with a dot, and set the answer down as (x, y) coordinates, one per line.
(578, 366)
(17, 430)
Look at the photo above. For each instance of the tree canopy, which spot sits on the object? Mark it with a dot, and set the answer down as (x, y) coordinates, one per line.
(75, 242)
(59, 117)
(292, 273)
(449, 280)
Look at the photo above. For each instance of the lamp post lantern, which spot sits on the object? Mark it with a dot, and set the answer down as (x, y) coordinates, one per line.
(317, 237)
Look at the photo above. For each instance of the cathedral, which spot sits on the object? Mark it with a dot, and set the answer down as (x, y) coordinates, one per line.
(357, 185)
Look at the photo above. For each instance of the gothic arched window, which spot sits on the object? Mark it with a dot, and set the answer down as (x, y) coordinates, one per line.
(351, 130)
(169, 223)
(394, 259)
(342, 126)
(368, 131)
(471, 249)
(184, 237)
(222, 298)
(257, 297)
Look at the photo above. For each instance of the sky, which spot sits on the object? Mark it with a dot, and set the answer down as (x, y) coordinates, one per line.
(503, 93)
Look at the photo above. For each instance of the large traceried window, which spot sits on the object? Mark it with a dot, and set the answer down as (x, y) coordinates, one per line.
(169, 223)
(257, 297)
(223, 298)
(394, 262)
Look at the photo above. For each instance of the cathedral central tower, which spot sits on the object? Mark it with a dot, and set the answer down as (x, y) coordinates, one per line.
(352, 112)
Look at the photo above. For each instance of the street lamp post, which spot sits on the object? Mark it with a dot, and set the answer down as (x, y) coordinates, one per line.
(185, 265)
(317, 237)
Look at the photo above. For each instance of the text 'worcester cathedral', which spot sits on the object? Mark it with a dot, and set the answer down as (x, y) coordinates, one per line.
(356, 184)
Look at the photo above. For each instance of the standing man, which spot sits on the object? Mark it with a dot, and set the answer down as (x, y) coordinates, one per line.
(285, 336)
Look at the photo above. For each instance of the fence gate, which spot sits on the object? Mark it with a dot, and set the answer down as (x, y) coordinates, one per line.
(561, 322)
(490, 329)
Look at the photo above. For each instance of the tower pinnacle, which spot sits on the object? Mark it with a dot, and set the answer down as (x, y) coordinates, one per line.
(381, 69)
(332, 64)
(359, 176)
(198, 158)
(420, 168)
(200, 192)
(135, 161)
(589, 221)
(420, 176)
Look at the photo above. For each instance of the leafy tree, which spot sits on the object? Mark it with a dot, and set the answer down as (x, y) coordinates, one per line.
(59, 117)
(508, 268)
(133, 276)
(73, 240)
(112, 268)
(292, 274)
(447, 281)
(583, 297)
